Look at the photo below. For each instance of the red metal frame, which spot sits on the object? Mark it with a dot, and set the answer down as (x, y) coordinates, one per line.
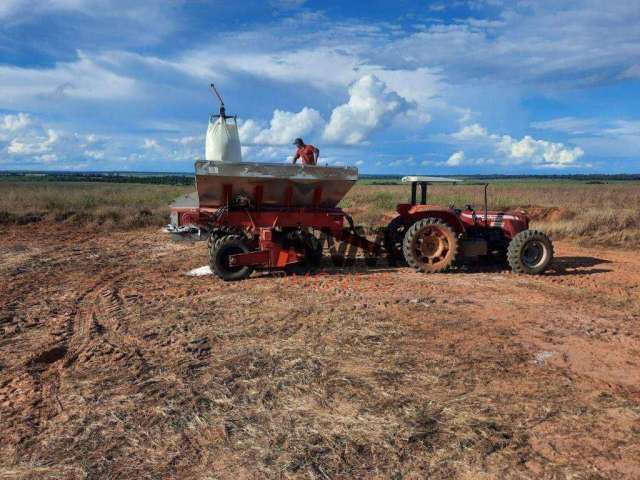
(270, 253)
(261, 224)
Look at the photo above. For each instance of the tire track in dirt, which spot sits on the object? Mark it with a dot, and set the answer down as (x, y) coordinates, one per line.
(31, 393)
(95, 330)
(82, 303)
(100, 327)
(44, 260)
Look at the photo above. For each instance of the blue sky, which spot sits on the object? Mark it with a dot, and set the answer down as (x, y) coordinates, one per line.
(458, 87)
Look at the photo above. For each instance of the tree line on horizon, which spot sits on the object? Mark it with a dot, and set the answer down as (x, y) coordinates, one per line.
(188, 179)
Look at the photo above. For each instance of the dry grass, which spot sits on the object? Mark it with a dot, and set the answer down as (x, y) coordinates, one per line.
(107, 205)
(604, 214)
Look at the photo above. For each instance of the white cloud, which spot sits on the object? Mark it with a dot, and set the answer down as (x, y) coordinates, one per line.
(28, 143)
(615, 128)
(9, 8)
(95, 154)
(423, 86)
(31, 144)
(26, 139)
(546, 43)
(48, 158)
(150, 144)
(191, 140)
(526, 151)
(470, 132)
(282, 65)
(248, 130)
(539, 152)
(456, 159)
(13, 123)
(459, 159)
(91, 139)
(83, 79)
(108, 22)
(274, 153)
(283, 129)
(601, 137)
(401, 162)
(570, 125)
(371, 105)
(623, 128)
(286, 126)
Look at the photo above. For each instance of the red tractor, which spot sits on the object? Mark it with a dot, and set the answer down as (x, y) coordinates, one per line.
(431, 238)
(258, 216)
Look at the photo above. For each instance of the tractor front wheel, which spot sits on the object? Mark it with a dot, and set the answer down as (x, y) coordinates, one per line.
(219, 253)
(430, 245)
(530, 252)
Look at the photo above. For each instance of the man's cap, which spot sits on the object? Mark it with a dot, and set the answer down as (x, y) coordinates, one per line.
(297, 141)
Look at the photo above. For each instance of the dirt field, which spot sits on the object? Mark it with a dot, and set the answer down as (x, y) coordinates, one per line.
(114, 364)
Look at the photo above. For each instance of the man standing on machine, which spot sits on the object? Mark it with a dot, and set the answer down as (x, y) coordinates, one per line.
(308, 154)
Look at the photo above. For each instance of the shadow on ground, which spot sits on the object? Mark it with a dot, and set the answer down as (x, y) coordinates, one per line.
(577, 266)
(560, 266)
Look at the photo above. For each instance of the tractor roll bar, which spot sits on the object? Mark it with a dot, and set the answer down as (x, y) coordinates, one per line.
(424, 182)
(423, 192)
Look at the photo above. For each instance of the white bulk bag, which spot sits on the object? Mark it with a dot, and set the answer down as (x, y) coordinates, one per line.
(223, 142)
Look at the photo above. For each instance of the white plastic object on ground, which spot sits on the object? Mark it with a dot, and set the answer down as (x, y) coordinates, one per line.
(223, 142)
(542, 357)
(200, 271)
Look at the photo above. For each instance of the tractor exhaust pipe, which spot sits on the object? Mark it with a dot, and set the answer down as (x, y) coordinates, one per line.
(486, 207)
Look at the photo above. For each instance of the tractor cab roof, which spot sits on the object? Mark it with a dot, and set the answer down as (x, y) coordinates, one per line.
(423, 179)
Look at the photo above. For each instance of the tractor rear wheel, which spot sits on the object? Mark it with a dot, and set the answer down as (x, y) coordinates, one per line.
(530, 252)
(219, 253)
(430, 245)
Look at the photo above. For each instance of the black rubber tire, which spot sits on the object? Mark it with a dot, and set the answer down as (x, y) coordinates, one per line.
(221, 232)
(219, 253)
(312, 257)
(518, 253)
(393, 240)
(413, 234)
